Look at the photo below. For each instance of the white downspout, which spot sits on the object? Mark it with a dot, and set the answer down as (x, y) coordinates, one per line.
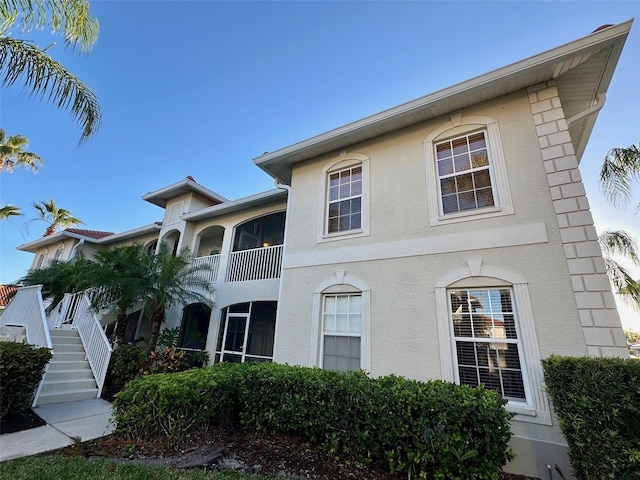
(281, 186)
(587, 112)
(75, 249)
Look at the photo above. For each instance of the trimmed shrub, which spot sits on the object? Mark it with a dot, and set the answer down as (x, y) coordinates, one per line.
(169, 405)
(432, 429)
(127, 361)
(598, 403)
(167, 360)
(21, 369)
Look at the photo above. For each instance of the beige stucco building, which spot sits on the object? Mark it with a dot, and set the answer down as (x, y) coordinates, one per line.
(446, 238)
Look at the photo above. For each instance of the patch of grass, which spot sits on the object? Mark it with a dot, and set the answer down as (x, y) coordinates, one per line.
(56, 467)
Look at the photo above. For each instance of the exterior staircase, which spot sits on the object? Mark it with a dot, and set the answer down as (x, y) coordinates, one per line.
(69, 376)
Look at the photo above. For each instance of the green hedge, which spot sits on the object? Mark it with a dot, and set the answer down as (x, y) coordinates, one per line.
(433, 429)
(597, 401)
(125, 364)
(21, 369)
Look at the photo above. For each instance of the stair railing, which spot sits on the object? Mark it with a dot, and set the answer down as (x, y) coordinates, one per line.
(96, 344)
(26, 309)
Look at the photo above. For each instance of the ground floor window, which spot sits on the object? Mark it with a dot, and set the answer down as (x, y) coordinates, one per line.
(246, 332)
(488, 345)
(341, 331)
(195, 326)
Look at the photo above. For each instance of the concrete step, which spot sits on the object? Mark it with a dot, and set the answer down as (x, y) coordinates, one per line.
(68, 348)
(64, 386)
(59, 365)
(63, 332)
(70, 396)
(60, 355)
(69, 375)
(66, 341)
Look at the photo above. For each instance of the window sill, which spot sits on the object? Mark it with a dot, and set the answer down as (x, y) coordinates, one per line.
(330, 237)
(527, 413)
(471, 215)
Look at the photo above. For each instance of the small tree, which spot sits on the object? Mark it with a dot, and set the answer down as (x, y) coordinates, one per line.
(12, 153)
(56, 217)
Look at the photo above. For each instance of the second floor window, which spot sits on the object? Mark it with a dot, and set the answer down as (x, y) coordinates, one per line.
(344, 200)
(464, 174)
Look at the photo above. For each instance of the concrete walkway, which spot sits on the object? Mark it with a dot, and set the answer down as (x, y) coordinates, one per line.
(86, 419)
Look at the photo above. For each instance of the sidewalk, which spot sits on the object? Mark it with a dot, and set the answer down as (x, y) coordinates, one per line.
(86, 419)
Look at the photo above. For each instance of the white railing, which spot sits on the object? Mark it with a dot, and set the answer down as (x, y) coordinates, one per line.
(213, 261)
(64, 312)
(95, 342)
(26, 309)
(256, 264)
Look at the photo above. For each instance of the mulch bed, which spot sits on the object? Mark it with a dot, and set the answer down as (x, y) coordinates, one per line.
(226, 447)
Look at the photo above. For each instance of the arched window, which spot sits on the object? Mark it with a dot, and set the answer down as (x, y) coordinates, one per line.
(466, 171)
(344, 199)
(487, 336)
(340, 324)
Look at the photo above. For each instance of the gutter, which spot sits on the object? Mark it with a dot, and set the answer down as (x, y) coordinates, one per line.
(587, 112)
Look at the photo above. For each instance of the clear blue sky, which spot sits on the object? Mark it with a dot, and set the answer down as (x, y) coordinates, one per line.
(200, 88)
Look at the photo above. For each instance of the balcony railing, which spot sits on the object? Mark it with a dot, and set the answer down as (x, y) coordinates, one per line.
(213, 261)
(256, 264)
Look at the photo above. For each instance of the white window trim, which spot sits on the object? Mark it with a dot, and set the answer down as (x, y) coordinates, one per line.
(41, 259)
(458, 126)
(58, 254)
(337, 284)
(536, 408)
(344, 160)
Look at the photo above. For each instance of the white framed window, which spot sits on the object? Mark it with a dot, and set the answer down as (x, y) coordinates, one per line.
(466, 171)
(40, 262)
(487, 335)
(341, 331)
(488, 346)
(58, 255)
(344, 199)
(341, 316)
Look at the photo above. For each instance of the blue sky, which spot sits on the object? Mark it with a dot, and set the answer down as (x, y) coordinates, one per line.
(202, 87)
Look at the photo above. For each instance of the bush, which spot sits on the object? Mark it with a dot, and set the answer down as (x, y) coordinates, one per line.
(127, 361)
(171, 404)
(434, 429)
(21, 369)
(598, 403)
(168, 360)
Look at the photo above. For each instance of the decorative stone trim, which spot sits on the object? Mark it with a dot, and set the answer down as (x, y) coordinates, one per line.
(594, 299)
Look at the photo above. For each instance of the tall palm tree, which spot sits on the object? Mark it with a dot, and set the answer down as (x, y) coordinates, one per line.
(618, 242)
(173, 280)
(9, 211)
(42, 76)
(621, 167)
(121, 276)
(13, 155)
(56, 217)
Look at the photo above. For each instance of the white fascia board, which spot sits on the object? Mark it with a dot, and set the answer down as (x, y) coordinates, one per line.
(136, 232)
(251, 201)
(50, 239)
(592, 41)
(157, 196)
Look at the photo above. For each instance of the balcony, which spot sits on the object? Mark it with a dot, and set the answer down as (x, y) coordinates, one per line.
(262, 263)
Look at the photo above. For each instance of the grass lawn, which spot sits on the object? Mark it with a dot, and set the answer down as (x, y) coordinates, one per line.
(57, 467)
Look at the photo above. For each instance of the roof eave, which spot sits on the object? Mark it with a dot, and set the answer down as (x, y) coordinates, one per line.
(34, 245)
(259, 199)
(160, 197)
(278, 163)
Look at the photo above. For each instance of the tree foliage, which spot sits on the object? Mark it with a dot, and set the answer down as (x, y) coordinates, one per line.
(45, 78)
(12, 153)
(54, 216)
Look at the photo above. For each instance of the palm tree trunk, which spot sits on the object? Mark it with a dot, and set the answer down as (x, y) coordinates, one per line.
(121, 327)
(156, 321)
(50, 230)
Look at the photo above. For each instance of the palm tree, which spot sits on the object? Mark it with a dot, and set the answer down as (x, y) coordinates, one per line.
(620, 168)
(620, 243)
(173, 280)
(12, 153)
(9, 211)
(41, 75)
(54, 216)
(59, 278)
(121, 277)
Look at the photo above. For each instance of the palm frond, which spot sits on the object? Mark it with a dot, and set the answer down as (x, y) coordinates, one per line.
(9, 211)
(621, 167)
(619, 242)
(69, 16)
(623, 283)
(50, 81)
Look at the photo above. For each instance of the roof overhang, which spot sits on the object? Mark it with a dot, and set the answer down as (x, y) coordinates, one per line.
(582, 70)
(34, 245)
(253, 201)
(130, 234)
(160, 197)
